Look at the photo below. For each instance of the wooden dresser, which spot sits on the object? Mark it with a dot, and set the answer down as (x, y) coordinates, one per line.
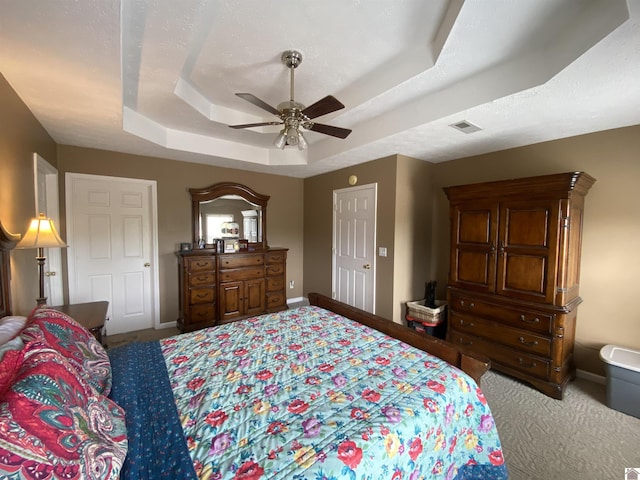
(514, 274)
(219, 288)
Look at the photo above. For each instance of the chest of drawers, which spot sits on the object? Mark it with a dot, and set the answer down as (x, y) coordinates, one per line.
(219, 288)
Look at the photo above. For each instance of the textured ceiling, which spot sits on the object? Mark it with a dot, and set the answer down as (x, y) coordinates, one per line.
(159, 77)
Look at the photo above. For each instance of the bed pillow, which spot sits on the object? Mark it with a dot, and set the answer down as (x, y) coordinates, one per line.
(54, 425)
(10, 327)
(10, 360)
(74, 342)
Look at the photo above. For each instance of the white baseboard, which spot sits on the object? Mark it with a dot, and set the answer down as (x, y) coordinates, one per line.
(296, 299)
(592, 377)
(160, 326)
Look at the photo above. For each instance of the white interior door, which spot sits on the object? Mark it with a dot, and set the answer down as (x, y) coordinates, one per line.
(112, 232)
(47, 202)
(354, 240)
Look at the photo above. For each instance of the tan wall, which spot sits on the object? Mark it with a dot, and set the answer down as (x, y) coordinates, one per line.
(403, 227)
(285, 208)
(610, 253)
(20, 136)
(413, 225)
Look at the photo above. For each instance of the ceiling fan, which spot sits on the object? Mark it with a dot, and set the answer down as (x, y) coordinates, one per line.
(295, 116)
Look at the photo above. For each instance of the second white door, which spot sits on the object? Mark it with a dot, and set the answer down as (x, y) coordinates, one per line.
(354, 240)
(112, 247)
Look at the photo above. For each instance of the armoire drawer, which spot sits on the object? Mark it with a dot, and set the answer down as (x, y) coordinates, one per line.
(241, 274)
(518, 317)
(202, 295)
(239, 261)
(202, 278)
(523, 362)
(496, 332)
(199, 264)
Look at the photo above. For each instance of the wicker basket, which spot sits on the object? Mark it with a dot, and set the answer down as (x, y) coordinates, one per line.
(417, 312)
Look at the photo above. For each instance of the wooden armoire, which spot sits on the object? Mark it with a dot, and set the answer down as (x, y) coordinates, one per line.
(514, 274)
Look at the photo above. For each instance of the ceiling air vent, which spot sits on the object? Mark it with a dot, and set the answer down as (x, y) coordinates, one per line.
(465, 127)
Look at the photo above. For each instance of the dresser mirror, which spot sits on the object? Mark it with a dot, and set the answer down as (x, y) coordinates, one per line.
(227, 205)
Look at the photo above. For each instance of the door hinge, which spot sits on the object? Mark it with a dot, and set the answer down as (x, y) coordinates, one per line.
(566, 222)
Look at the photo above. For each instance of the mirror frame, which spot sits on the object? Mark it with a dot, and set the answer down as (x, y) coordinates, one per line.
(221, 189)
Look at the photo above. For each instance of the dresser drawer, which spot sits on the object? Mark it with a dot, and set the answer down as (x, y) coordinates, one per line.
(202, 295)
(203, 313)
(199, 264)
(238, 261)
(523, 362)
(276, 300)
(275, 283)
(204, 278)
(273, 270)
(518, 317)
(496, 332)
(241, 274)
(275, 257)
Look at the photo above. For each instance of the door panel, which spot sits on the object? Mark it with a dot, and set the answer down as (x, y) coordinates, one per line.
(111, 253)
(353, 277)
(524, 267)
(474, 231)
(255, 296)
(47, 201)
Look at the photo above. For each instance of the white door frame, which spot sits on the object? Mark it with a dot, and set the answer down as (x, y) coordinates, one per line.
(49, 202)
(154, 274)
(374, 188)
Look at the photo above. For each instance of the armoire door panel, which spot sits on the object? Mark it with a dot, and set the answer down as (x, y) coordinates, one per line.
(524, 274)
(473, 269)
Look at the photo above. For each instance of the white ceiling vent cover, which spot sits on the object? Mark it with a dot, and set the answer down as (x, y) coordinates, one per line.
(465, 127)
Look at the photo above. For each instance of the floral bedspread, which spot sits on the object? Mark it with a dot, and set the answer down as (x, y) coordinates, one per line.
(308, 394)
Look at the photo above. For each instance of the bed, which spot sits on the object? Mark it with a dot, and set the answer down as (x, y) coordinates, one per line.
(321, 391)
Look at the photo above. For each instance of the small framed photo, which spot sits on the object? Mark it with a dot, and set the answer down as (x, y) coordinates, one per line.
(185, 247)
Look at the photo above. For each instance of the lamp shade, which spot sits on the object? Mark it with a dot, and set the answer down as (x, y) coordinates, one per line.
(41, 234)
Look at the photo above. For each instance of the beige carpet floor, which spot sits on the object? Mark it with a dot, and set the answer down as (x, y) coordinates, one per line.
(578, 437)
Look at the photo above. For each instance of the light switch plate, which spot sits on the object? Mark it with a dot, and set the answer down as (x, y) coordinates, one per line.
(382, 251)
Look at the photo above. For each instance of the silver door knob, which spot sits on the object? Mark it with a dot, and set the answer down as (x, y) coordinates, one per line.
(147, 264)
(367, 266)
(50, 274)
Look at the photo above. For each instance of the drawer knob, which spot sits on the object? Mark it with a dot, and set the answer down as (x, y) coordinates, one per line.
(462, 322)
(462, 342)
(524, 342)
(526, 320)
(470, 305)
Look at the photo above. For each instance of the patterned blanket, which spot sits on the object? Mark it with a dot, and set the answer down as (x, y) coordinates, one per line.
(308, 394)
(157, 447)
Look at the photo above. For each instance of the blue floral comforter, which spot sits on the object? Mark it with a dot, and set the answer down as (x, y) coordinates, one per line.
(308, 394)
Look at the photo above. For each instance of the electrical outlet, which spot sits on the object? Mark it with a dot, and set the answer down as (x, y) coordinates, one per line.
(292, 284)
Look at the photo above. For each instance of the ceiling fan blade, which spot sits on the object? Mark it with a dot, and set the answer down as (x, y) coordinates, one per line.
(251, 98)
(329, 130)
(249, 125)
(323, 106)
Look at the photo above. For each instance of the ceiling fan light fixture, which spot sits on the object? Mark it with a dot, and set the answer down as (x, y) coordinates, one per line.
(281, 140)
(302, 142)
(292, 136)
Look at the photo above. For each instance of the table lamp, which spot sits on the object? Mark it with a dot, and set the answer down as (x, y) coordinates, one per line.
(41, 234)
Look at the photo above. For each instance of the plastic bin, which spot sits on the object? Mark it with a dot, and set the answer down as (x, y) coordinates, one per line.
(622, 366)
